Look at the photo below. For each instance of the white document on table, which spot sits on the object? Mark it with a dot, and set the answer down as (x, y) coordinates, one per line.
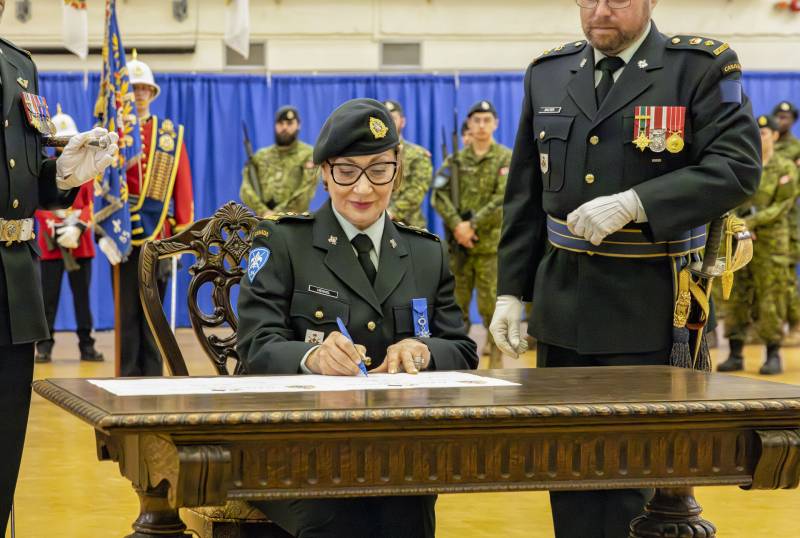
(165, 386)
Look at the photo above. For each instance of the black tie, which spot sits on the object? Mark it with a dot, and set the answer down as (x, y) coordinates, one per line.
(363, 245)
(608, 66)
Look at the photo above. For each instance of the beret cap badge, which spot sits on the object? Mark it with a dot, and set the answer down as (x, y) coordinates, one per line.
(377, 128)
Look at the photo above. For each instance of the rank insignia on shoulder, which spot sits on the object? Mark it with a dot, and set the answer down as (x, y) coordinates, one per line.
(564, 49)
(257, 260)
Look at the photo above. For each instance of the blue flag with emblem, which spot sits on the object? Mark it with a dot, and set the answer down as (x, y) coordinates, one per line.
(116, 112)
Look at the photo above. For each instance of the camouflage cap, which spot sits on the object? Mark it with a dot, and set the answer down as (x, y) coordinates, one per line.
(287, 113)
(786, 106)
(358, 127)
(482, 106)
(394, 106)
(768, 122)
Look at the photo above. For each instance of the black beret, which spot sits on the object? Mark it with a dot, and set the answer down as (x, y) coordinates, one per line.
(768, 121)
(786, 106)
(482, 106)
(286, 113)
(464, 126)
(358, 127)
(394, 106)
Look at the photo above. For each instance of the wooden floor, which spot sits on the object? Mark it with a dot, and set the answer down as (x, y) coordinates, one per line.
(64, 491)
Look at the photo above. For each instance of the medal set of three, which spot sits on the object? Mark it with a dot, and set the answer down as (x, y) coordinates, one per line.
(659, 128)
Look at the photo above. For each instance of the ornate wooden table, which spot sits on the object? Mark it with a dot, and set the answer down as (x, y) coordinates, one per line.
(560, 429)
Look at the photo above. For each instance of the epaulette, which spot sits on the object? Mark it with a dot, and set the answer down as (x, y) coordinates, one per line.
(290, 216)
(561, 50)
(419, 231)
(704, 44)
(15, 47)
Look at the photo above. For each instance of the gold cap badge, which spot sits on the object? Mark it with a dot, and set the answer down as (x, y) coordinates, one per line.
(484, 105)
(377, 128)
(762, 121)
(389, 106)
(786, 107)
(290, 115)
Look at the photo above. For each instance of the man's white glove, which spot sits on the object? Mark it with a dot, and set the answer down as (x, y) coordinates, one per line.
(68, 236)
(597, 219)
(505, 326)
(81, 162)
(109, 248)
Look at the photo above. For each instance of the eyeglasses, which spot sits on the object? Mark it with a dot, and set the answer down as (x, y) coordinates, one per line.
(346, 174)
(613, 4)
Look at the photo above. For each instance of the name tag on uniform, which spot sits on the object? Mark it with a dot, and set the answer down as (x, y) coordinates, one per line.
(323, 291)
(419, 313)
(549, 110)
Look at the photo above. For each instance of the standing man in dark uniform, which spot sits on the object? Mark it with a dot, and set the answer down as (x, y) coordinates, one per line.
(28, 181)
(390, 283)
(632, 130)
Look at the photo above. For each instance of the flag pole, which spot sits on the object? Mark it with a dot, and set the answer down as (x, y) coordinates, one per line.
(117, 324)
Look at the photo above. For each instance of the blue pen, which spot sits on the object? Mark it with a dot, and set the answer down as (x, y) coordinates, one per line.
(343, 330)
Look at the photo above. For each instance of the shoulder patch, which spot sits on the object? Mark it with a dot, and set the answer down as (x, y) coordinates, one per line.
(257, 260)
(711, 47)
(734, 67)
(419, 231)
(564, 49)
(290, 216)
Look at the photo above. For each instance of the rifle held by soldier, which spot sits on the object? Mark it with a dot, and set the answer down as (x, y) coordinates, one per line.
(252, 172)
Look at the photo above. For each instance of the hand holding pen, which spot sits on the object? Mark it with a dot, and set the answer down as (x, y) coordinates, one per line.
(337, 355)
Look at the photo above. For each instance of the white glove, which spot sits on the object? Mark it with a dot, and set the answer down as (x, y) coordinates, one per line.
(68, 236)
(109, 248)
(505, 326)
(601, 217)
(81, 162)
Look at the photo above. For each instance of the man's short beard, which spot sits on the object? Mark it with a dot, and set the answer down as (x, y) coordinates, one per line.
(616, 43)
(285, 139)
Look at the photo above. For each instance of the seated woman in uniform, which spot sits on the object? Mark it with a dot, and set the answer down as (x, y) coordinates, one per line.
(389, 284)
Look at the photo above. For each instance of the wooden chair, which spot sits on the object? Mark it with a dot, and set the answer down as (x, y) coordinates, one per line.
(220, 244)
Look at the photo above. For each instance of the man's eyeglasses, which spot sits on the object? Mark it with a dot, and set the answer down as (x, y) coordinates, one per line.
(613, 4)
(380, 173)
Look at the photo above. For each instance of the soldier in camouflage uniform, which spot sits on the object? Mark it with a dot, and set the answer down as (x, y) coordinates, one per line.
(474, 223)
(788, 146)
(286, 171)
(406, 204)
(760, 295)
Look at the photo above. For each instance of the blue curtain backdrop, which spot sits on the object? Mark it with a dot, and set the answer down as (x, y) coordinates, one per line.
(212, 106)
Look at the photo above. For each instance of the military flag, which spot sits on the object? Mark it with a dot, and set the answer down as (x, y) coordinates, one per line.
(237, 26)
(115, 111)
(76, 28)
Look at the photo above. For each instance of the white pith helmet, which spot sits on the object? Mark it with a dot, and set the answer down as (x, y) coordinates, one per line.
(140, 73)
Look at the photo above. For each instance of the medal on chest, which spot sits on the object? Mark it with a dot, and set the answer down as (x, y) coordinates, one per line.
(37, 113)
(659, 128)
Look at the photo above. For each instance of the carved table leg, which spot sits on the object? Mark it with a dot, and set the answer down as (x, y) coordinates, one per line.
(673, 512)
(156, 518)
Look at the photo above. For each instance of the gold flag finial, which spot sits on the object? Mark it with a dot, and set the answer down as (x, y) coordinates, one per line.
(134, 54)
(58, 108)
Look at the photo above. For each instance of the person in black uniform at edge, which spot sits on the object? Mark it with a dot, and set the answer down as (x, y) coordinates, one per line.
(349, 260)
(29, 181)
(631, 130)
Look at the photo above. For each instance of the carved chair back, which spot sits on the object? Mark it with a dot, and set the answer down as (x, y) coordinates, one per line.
(219, 244)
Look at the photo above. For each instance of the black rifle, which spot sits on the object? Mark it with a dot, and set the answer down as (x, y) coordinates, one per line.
(252, 172)
(454, 183)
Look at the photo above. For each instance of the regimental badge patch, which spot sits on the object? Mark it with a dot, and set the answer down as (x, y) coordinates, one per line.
(258, 259)
(377, 128)
(544, 162)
